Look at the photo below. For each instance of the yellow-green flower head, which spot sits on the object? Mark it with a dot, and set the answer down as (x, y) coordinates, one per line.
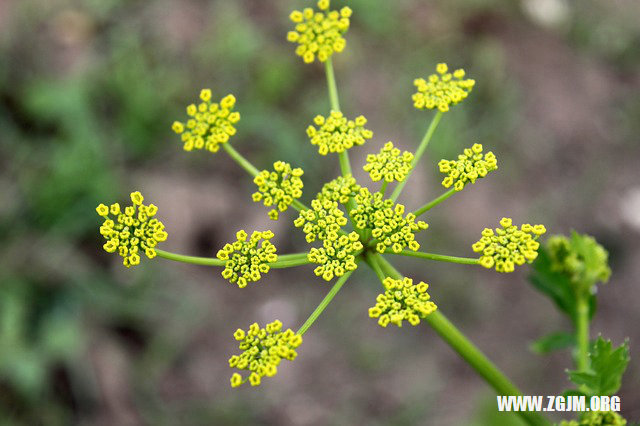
(337, 134)
(442, 89)
(210, 125)
(389, 164)
(132, 230)
(597, 418)
(386, 221)
(402, 300)
(246, 261)
(470, 166)
(336, 257)
(322, 221)
(278, 187)
(319, 33)
(508, 246)
(263, 349)
(580, 257)
(340, 189)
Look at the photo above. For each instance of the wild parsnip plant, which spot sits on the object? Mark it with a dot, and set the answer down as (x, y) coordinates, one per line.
(347, 224)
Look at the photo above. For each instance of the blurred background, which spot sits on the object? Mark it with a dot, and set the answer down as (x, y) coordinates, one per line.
(88, 92)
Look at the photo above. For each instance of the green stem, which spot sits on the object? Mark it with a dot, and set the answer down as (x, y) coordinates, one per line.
(243, 162)
(418, 154)
(325, 302)
(582, 333)
(290, 260)
(345, 165)
(371, 261)
(468, 351)
(383, 188)
(194, 260)
(284, 261)
(298, 205)
(438, 257)
(435, 202)
(331, 83)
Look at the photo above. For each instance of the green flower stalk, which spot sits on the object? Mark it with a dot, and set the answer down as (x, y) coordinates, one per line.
(280, 187)
(319, 33)
(442, 90)
(132, 230)
(508, 246)
(336, 133)
(402, 300)
(245, 260)
(470, 166)
(210, 125)
(263, 350)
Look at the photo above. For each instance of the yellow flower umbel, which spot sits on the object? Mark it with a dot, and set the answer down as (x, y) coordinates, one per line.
(336, 256)
(470, 166)
(386, 221)
(322, 221)
(246, 262)
(319, 34)
(278, 187)
(442, 89)
(389, 164)
(263, 349)
(402, 300)
(337, 134)
(132, 231)
(508, 246)
(210, 125)
(340, 189)
(597, 418)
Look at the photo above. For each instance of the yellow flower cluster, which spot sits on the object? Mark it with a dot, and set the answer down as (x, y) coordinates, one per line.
(470, 166)
(508, 246)
(210, 125)
(246, 262)
(442, 89)
(336, 257)
(597, 418)
(386, 221)
(389, 164)
(319, 34)
(322, 221)
(278, 187)
(337, 134)
(340, 189)
(263, 349)
(402, 300)
(131, 231)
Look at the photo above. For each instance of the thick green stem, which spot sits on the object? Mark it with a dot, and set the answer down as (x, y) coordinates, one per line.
(435, 202)
(238, 158)
(468, 351)
(194, 260)
(582, 333)
(325, 302)
(418, 154)
(438, 257)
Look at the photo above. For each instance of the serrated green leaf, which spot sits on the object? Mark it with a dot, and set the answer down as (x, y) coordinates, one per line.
(607, 365)
(553, 342)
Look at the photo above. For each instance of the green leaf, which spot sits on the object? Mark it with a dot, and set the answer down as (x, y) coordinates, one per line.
(607, 367)
(553, 342)
(556, 285)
